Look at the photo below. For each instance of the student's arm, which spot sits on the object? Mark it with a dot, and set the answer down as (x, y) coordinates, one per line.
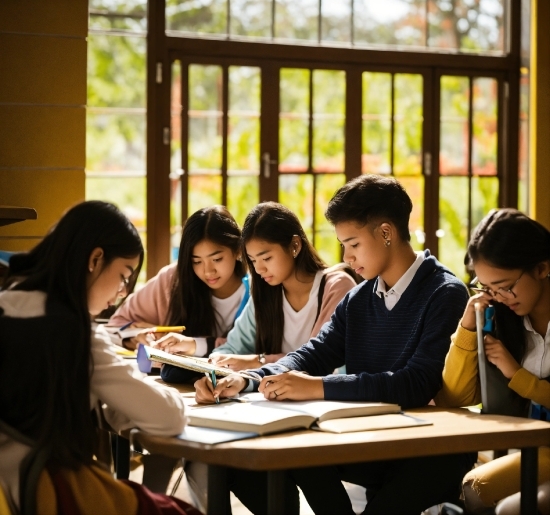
(461, 385)
(130, 401)
(531, 387)
(336, 286)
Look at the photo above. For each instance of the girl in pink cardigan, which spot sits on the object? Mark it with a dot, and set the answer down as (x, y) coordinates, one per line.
(204, 291)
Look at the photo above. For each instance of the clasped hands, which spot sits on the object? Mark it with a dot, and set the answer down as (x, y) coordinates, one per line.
(291, 385)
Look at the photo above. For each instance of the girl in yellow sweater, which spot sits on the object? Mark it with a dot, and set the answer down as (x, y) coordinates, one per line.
(510, 255)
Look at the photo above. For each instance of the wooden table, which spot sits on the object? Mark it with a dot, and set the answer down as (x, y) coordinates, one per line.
(11, 214)
(453, 431)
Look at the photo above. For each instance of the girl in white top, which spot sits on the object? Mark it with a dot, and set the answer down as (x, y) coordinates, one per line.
(53, 368)
(204, 291)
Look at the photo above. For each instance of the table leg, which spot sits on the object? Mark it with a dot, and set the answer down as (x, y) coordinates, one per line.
(122, 457)
(157, 471)
(218, 491)
(529, 473)
(275, 492)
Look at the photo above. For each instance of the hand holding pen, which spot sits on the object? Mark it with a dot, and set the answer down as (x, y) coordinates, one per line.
(209, 390)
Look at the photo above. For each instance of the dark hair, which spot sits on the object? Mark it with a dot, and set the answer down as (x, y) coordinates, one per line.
(509, 239)
(371, 199)
(58, 266)
(277, 224)
(190, 302)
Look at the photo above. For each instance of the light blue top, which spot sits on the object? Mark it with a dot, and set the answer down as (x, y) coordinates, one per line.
(242, 338)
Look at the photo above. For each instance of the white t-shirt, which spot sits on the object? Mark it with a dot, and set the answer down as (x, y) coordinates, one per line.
(298, 324)
(537, 352)
(224, 313)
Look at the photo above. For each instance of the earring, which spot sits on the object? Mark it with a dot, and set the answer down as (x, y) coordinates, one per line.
(387, 243)
(91, 269)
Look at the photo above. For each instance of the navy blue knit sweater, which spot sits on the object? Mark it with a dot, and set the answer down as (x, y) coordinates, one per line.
(390, 356)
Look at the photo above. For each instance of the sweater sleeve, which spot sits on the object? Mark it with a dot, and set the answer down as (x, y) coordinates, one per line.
(150, 304)
(461, 385)
(336, 286)
(131, 402)
(242, 338)
(531, 387)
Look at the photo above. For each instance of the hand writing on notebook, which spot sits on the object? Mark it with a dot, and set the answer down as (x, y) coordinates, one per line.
(228, 386)
(499, 355)
(176, 343)
(293, 386)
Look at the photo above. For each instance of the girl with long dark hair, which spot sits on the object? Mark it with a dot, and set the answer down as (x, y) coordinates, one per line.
(293, 291)
(54, 369)
(204, 291)
(510, 255)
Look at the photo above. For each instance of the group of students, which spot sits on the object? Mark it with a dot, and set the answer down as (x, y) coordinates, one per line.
(263, 299)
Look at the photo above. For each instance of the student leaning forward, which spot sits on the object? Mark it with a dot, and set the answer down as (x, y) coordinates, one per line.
(510, 255)
(392, 332)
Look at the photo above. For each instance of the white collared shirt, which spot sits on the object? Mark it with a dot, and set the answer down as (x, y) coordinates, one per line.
(537, 352)
(391, 297)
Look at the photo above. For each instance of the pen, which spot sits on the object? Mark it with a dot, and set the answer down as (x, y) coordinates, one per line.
(125, 326)
(213, 376)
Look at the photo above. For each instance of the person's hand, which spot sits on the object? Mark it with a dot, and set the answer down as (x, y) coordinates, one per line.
(469, 318)
(176, 343)
(228, 386)
(236, 362)
(144, 338)
(293, 386)
(218, 342)
(499, 355)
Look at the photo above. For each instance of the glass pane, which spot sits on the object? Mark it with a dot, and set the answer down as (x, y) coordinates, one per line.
(175, 121)
(297, 19)
(408, 119)
(484, 197)
(523, 186)
(329, 97)
(197, 16)
(294, 120)
(243, 148)
(251, 18)
(336, 21)
(415, 189)
(389, 22)
(115, 142)
(204, 191)
(484, 139)
(116, 71)
(127, 193)
(466, 25)
(119, 6)
(376, 123)
(205, 119)
(296, 193)
(453, 152)
(243, 193)
(103, 20)
(453, 223)
(175, 218)
(325, 239)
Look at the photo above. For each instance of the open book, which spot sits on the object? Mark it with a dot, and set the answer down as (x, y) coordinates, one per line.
(255, 414)
(191, 363)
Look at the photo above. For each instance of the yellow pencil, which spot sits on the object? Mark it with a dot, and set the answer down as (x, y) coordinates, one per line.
(165, 329)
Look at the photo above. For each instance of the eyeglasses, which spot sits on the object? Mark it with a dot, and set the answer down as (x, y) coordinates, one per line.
(124, 284)
(505, 293)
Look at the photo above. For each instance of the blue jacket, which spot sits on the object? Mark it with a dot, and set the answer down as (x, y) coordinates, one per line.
(390, 356)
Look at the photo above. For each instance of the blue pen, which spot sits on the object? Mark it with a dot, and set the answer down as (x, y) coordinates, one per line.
(125, 326)
(213, 376)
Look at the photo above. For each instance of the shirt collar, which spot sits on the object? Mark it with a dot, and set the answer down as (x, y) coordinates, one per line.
(404, 281)
(529, 326)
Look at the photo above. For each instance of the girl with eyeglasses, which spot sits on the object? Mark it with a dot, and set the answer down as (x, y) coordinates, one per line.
(510, 255)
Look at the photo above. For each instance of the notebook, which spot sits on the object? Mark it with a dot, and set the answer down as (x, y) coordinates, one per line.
(255, 414)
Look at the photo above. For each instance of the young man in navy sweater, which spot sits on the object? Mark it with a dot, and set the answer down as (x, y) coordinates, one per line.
(392, 332)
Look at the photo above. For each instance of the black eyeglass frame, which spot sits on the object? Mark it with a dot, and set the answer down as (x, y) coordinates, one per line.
(507, 293)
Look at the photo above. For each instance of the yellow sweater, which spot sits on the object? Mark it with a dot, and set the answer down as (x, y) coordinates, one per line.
(461, 379)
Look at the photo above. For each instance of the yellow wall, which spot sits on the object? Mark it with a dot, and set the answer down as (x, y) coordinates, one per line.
(539, 158)
(42, 112)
